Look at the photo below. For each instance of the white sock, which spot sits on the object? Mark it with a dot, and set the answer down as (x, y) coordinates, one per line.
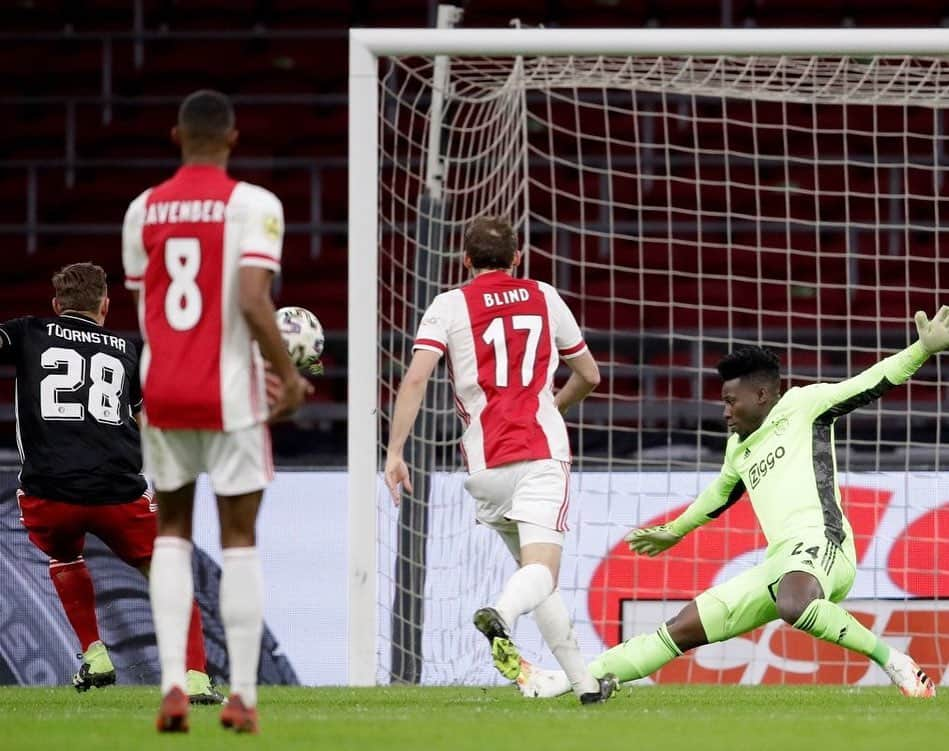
(553, 620)
(524, 591)
(171, 587)
(242, 612)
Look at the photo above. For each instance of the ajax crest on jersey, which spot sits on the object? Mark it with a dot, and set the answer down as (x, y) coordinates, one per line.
(303, 336)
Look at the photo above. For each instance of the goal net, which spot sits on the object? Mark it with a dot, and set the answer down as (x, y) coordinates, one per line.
(683, 205)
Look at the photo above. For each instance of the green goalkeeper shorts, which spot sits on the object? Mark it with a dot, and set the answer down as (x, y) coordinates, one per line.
(748, 600)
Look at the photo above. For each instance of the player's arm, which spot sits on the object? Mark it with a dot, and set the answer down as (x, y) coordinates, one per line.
(407, 404)
(135, 388)
(257, 308)
(836, 399)
(261, 249)
(431, 342)
(584, 372)
(134, 256)
(10, 335)
(718, 497)
(584, 377)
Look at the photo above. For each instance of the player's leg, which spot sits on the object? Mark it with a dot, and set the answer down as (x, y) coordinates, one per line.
(240, 466)
(554, 622)
(534, 580)
(489, 621)
(130, 530)
(538, 503)
(801, 604)
(644, 654)
(199, 686)
(820, 574)
(171, 588)
(494, 493)
(173, 460)
(720, 613)
(492, 490)
(635, 658)
(242, 605)
(74, 586)
(58, 529)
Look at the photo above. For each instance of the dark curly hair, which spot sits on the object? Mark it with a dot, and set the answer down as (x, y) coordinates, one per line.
(758, 362)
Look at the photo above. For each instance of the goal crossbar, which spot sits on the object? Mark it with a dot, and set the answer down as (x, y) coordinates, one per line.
(646, 42)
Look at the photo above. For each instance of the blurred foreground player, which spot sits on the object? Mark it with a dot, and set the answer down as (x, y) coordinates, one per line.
(77, 399)
(782, 452)
(200, 251)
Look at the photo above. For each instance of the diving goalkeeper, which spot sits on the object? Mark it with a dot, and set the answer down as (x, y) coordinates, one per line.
(782, 452)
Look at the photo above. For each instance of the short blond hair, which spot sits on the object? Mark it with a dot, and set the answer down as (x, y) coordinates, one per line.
(80, 287)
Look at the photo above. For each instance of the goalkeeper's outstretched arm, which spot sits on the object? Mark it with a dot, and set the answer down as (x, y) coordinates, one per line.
(711, 503)
(840, 398)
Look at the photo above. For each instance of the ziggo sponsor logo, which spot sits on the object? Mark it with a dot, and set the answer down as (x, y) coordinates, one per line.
(759, 471)
(917, 563)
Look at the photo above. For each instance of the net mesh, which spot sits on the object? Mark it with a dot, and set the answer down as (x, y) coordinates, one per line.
(682, 206)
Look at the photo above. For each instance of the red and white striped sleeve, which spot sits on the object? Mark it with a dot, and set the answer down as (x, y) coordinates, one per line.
(134, 256)
(261, 242)
(567, 335)
(433, 330)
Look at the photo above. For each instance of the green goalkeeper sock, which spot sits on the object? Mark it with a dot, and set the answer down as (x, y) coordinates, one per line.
(832, 623)
(638, 657)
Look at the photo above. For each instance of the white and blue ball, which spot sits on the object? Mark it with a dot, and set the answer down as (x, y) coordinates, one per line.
(303, 336)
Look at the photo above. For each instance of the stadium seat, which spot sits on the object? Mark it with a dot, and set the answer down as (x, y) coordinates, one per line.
(620, 370)
(666, 279)
(675, 377)
(498, 13)
(205, 15)
(335, 193)
(72, 67)
(581, 13)
(323, 133)
(808, 13)
(33, 131)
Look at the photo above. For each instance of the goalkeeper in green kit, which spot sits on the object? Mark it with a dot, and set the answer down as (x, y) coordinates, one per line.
(782, 452)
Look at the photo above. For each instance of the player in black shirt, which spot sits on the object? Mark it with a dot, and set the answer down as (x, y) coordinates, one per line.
(77, 400)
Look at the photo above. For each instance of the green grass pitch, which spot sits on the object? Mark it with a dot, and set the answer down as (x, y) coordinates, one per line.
(697, 718)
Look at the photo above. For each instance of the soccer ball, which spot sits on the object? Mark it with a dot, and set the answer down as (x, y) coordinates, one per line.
(303, 336)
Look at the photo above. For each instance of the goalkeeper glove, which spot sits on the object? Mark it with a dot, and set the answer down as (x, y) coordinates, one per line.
(652, 541)
(934, 334)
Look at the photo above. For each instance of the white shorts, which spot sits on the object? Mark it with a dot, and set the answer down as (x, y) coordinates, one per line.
(536, 492)
(237, 462)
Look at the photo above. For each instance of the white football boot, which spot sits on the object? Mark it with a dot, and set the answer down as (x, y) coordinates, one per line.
(908, 677)
(536, 683)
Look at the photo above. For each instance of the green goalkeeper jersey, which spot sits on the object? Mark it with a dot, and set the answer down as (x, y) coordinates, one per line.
(788, 465)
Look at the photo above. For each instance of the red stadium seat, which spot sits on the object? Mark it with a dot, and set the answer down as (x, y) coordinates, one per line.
(677, 376)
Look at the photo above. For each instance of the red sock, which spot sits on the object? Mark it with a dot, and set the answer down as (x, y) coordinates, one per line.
(195, 659)
(74, 585)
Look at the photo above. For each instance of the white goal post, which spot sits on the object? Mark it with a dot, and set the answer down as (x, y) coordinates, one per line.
(368, 48)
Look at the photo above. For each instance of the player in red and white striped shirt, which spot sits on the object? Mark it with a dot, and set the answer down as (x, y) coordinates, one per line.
(504, 338)
(200, 251)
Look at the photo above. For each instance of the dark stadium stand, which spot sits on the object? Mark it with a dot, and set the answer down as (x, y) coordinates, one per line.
(88, 91)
